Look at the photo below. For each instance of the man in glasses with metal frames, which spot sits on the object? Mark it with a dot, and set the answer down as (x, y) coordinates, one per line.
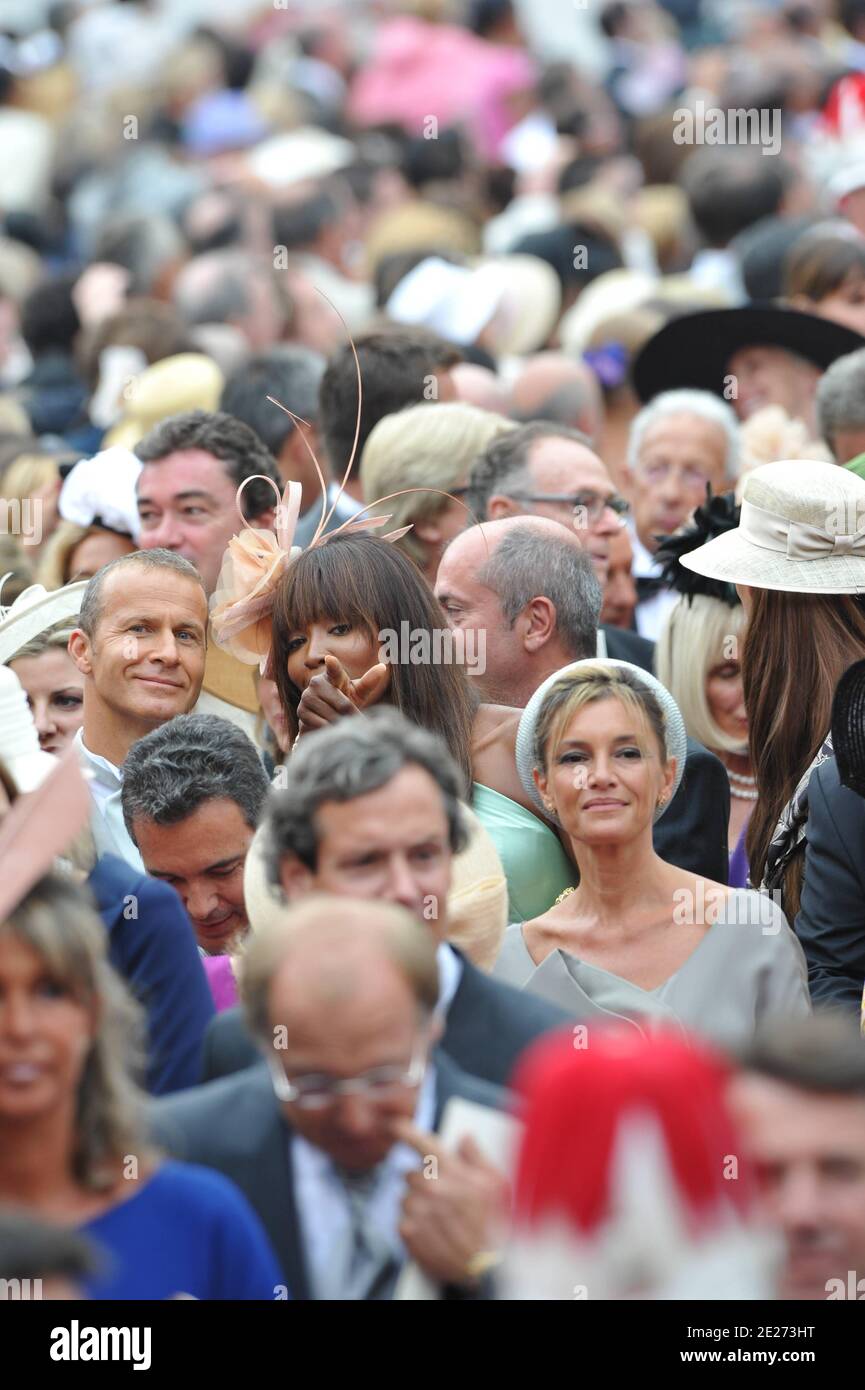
(341, 997)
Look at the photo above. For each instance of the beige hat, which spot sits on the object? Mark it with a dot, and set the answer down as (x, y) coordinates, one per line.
(35, 611)
(187, 381)
(801, 531)
(530, 305)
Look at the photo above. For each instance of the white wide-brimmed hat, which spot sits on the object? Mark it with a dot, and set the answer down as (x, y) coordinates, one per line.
(35, 611)
(19, 742)
(451, 300)
(801, 530)
(676, 738)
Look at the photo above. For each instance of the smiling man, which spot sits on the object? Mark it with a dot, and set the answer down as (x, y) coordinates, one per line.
(140, 646)
(193, 791)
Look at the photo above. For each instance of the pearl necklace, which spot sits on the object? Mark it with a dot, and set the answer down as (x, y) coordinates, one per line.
(742, 786)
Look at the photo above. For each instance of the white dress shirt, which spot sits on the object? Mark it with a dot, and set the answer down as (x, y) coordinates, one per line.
(651, 613)
(106, 819)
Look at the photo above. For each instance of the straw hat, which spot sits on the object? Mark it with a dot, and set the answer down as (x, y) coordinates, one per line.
(35, 611)
(19, 743)
(187, 381)
(801, 531)
(676, 737)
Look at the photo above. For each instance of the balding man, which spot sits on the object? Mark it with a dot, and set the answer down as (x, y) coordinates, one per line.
(552, 386)
(526, 586)
(327, 1136)
(480, 387)
(528, 589)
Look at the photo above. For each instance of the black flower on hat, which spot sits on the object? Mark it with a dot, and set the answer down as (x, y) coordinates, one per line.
(848, 728)
(713, 518)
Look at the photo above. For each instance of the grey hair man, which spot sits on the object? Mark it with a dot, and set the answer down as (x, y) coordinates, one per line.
(231, 286)
(370, 808)
(327, 1140)
(140, 645)
(680, 444)
(841, 406)
(526, 591)
(549, 470)
(192, 795)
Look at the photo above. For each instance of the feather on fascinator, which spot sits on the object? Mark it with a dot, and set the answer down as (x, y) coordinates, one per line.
(255, 560)
(713, 518)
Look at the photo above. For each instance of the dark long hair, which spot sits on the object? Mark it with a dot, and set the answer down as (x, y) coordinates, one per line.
(796, 648)
(369, 583)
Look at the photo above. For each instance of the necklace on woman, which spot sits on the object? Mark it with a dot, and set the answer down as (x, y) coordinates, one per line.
(742, 786)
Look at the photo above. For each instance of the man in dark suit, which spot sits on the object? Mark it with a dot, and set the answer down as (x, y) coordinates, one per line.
(370, 810)
(152, 946)
(524, 589)
(330, 1136)
(831, 919)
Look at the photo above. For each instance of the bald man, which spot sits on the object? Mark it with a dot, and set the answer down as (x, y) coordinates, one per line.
(552, 386)
(479, 386)
(526, 588)
(328, 1135)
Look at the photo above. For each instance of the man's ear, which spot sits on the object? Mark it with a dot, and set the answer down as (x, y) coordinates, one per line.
(499, 505)
(80, 651)
(539, 622)
(295, 878)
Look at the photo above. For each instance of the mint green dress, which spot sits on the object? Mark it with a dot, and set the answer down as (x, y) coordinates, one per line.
(535, 864)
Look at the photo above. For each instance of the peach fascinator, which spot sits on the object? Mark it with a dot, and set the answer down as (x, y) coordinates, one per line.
(255, 560)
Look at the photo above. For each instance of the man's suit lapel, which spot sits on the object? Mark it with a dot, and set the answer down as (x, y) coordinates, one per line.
(469, 1039)
(269, 1174)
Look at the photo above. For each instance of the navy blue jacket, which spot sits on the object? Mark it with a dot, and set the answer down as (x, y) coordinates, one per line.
(152, 945)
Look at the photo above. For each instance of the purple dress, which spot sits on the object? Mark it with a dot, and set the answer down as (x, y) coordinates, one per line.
(738, 864)
(220, 977)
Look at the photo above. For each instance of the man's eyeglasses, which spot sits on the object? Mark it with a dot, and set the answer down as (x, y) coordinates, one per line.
(316, 1092)
(689, 474)
(588, 507)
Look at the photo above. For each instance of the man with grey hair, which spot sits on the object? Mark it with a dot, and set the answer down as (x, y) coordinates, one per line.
(140, 645)
(680, 444)
(192, 795)
(234, 287)
(549, 470)
(840, 405)
(369, 808)
(525, 588)
(290, 374)
(327, 1135)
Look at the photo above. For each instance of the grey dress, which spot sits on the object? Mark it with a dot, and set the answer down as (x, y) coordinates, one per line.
(748, 967)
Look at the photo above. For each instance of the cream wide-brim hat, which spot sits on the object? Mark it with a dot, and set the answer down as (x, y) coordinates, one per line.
(675, 735)
(34, 612)
(801, 531)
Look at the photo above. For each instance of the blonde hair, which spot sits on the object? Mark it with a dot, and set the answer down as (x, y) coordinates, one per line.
(428, 445)
(58, 921)
(28, 474)
(691, 643)
(590, 683)
(53, 568)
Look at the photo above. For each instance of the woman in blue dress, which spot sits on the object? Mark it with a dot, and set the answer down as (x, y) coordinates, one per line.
(72, 1145)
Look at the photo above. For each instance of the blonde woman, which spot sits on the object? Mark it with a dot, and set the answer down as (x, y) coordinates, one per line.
(72, 1143)
(602, 745)
(429, 448)
(32, 484)
(697, 658)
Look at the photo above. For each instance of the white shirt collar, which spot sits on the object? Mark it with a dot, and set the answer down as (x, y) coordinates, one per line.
(450, 969)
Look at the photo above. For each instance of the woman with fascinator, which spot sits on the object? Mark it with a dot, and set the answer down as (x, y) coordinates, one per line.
(698, 659)
(602, 745)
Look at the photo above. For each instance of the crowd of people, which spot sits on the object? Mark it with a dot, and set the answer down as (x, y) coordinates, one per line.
(432, 649)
